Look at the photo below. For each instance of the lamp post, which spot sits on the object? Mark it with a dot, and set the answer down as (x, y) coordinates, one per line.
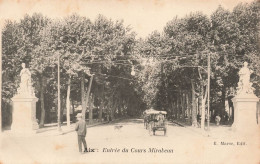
(58, 86)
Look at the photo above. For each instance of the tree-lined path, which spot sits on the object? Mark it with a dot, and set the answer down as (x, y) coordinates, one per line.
(166, 71)
(102, 68)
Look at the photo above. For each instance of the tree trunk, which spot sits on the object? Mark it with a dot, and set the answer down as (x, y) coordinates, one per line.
(63, 104)
(203, 98)
(119, 110)
(42, 120)
(223, 99)
(194, 111)
(68, 102)
(112, 113)
(202, 107)
(175, 109)
(200, 102)
(88, 93)
(90, 107)
(83, 103)
(101, 111)
(183, 106)
(73, 107)
(172, 110)
(188, 107)
(178, 106)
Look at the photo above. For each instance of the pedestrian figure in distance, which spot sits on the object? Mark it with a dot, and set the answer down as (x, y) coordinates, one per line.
(81, 131)
(217, 119)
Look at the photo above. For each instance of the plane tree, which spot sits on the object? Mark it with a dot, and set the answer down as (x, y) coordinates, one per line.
(20, 39)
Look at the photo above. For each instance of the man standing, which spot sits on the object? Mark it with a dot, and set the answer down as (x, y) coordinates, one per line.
(81, 131)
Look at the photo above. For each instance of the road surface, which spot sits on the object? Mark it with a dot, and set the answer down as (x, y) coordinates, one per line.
(129, 144)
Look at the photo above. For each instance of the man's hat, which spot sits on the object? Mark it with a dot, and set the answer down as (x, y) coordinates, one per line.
(79, 115)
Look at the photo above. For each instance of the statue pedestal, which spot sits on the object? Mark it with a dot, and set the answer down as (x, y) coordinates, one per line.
(24, 114)
(245, 108)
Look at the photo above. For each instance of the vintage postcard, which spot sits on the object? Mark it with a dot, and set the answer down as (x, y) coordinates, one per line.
(129, 81)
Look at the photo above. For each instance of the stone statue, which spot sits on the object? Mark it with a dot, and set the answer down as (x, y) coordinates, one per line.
(25, 84)
(245, 105)
(244, 84)
(24, 105)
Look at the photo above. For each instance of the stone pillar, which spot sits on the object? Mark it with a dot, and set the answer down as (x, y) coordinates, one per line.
(245, 110)
(24, 115)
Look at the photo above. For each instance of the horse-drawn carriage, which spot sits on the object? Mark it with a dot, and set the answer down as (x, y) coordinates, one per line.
(155, 121)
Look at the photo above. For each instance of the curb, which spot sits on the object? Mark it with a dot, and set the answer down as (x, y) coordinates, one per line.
(198, 131)
(71, 128)
(88, 126)
(178, 124)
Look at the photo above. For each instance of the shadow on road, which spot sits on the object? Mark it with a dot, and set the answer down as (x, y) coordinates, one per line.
(132, 121)
(125, 121)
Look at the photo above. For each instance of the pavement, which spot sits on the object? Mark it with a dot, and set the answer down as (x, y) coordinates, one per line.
(51, 129)
(213, 131)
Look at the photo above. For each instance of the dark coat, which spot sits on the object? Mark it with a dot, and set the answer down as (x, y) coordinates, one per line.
(81, 128)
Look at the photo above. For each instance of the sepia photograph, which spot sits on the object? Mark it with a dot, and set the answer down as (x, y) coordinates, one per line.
(129, 81)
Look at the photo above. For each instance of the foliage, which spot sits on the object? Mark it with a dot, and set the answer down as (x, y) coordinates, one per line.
(164, 63)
